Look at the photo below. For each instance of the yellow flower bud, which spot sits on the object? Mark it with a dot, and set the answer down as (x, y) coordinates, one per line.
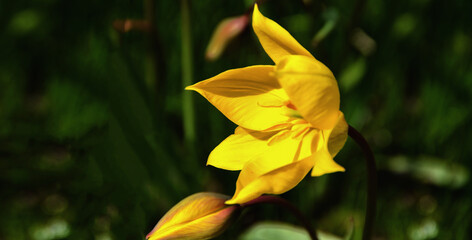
(199, 216)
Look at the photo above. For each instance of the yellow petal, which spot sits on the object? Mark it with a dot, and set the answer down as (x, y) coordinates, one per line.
(237, 149)
(281, 135)
(275, 40)
(277, 170)
(259, 150)
(309, 142)
(338, 136)
(277, 181)
(324, 162)
(312, 89)
(242, 96)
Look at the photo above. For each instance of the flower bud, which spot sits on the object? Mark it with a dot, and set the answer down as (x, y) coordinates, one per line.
(199, 216)
(225, 32)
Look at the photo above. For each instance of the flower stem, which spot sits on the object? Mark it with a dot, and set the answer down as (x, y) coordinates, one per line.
(287, 205)
(157, 65)
(371, 182)
(187, 73)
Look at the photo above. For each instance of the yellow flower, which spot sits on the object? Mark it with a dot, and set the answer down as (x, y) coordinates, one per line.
(288, 116)
(199, 216)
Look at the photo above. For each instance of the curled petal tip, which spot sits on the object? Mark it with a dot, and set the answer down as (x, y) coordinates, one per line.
(275, 40)
(326, 165)
(231, 202)
(191, 87)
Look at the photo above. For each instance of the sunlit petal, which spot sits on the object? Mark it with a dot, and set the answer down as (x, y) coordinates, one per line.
(277, 170)
(246, 96)
(312, 89)
(238, 148)
(324, 162)
(276, 181)
(275, 40)
(252, 148)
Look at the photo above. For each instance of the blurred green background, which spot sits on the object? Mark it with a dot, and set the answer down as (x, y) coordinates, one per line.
(92, 143)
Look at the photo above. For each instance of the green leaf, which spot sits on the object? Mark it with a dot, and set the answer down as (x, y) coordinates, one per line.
(282, 231)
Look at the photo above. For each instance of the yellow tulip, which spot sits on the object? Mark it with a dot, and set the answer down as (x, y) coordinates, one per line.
(199, 216)
(288, 116)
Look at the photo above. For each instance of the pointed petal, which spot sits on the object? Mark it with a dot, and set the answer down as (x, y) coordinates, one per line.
(255, 148)
(324, 162)
(246, 96)
(338, 136)
(277, 181)
(312, 89)
(275, 40)
(238, 148)
(277, 171)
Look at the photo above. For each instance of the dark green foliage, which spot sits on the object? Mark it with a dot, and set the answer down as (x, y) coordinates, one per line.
(91, 139)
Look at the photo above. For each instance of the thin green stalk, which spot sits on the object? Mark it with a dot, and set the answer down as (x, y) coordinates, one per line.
(371, 182)
(156, 65)
(187, 76)
(287, 205)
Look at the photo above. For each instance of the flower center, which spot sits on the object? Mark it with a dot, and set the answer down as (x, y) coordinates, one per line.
(291, 110)
(290, 105)
(297, 129)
